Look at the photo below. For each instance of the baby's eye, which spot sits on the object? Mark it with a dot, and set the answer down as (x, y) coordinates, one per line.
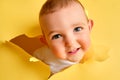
(78, 29)
(56, 36)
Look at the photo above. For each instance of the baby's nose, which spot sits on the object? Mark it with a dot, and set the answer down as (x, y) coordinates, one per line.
(71, 42)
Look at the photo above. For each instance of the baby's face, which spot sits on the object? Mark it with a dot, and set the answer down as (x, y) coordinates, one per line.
(67, 32)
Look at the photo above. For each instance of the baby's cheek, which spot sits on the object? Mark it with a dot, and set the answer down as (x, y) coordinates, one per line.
(59, 52)
(85, 43)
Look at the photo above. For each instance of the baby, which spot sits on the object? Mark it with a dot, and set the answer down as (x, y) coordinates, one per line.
(66, 34)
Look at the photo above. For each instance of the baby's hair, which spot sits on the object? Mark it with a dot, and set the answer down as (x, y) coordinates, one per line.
(51, 6)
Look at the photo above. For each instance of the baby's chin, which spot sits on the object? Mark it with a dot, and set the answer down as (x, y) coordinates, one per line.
(72, 58)
(75, 58)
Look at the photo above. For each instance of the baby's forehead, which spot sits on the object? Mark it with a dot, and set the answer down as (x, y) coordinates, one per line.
(72, 11)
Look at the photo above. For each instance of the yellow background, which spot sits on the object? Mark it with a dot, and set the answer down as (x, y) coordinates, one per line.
(19, 17)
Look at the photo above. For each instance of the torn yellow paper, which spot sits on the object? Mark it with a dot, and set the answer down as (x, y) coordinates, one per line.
(33, 59)
(19, 17)
(15, 65)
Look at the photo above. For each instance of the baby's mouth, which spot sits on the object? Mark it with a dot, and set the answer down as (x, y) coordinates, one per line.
(74, 51)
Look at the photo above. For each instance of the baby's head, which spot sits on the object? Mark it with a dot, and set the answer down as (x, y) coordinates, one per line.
(66, 28)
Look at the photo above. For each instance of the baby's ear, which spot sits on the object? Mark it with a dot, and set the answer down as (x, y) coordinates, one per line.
(90, 24)
(43, 40)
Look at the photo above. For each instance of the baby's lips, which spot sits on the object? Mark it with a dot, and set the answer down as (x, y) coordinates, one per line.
(73, 51)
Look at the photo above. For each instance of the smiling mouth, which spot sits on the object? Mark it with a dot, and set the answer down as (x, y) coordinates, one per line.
(74, 51)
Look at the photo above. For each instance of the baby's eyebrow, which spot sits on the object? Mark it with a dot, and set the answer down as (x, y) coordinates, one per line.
(79, 24)
(51, 32)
